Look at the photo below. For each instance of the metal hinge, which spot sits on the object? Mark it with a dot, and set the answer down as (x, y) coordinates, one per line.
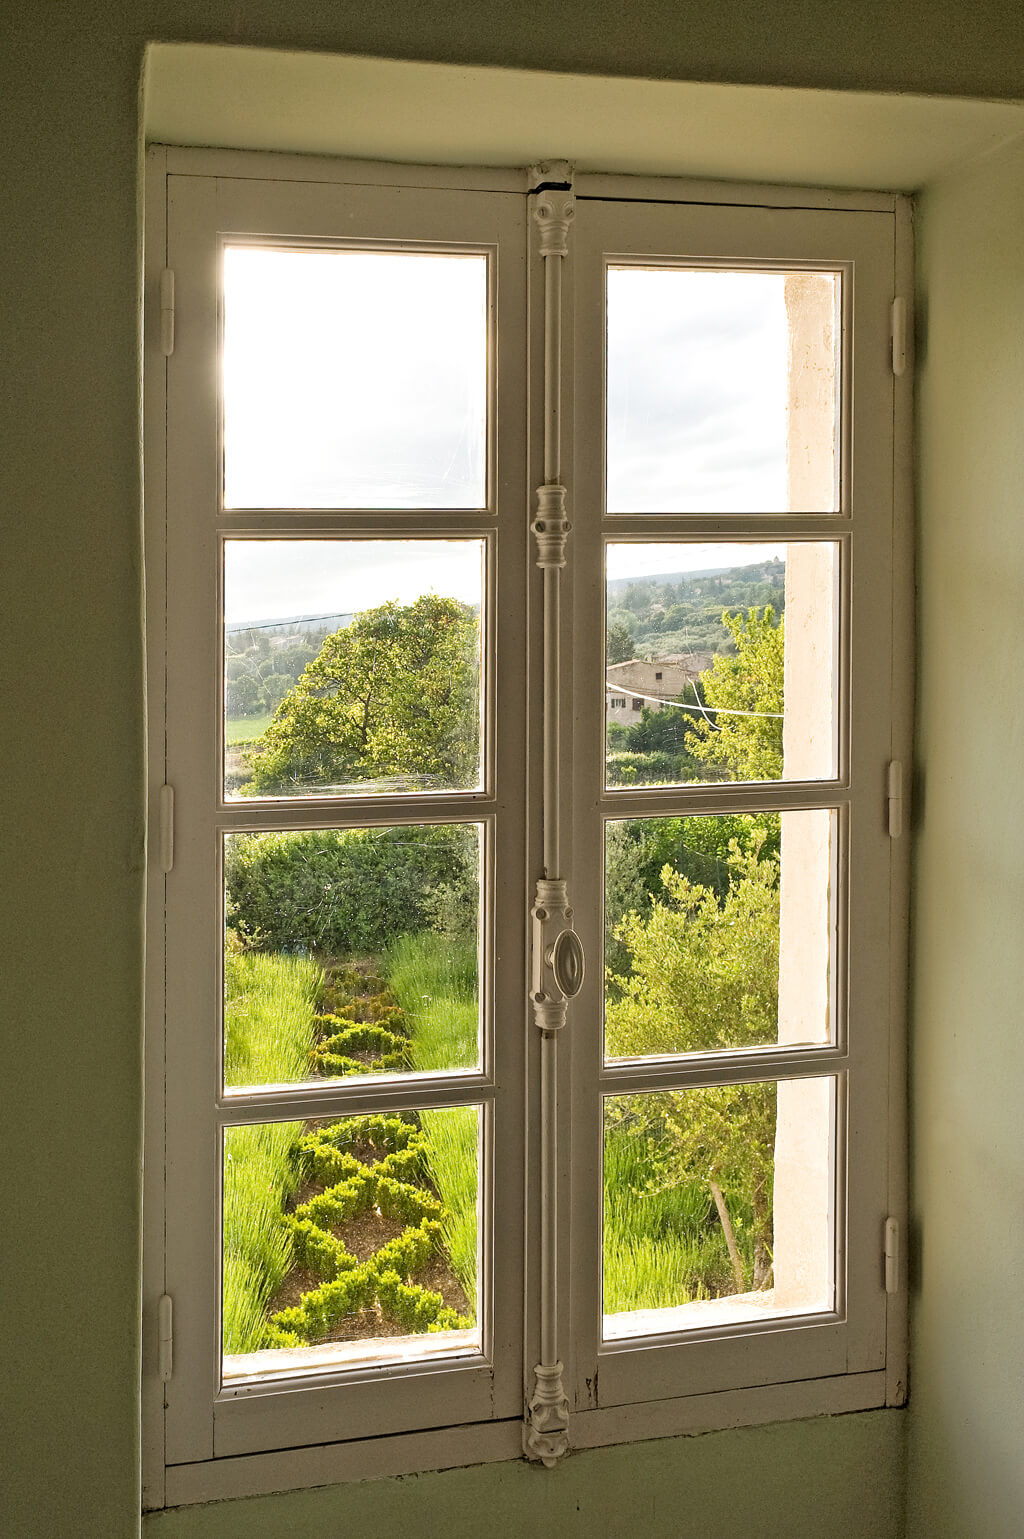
(891, 1252)
(899, 336)
(167, 312)
(894, 799)
(166, 828)
(165, 1337)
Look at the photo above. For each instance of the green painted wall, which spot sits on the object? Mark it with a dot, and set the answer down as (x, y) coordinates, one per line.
(72, 747)
(838, 1475)
(966, 1467)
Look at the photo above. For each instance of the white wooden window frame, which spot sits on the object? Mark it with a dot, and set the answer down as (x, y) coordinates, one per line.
(540, 1281)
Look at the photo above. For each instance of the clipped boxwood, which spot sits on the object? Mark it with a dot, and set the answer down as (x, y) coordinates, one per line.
(351, 1187)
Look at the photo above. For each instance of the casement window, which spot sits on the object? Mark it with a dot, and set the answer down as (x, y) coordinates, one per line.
(518, 1081)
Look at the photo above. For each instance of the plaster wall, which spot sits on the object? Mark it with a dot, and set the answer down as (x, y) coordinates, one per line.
(72, 747)
(967, 1051)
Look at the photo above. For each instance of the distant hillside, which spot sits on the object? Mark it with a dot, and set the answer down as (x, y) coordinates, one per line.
(293, 624)
(680, 612)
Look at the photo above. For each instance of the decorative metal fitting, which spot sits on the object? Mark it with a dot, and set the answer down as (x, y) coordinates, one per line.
(551, 527)
(558, 960)
(555, 208)
(546, 1433)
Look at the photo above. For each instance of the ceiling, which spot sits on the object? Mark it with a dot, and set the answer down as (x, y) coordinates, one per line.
(380, 109)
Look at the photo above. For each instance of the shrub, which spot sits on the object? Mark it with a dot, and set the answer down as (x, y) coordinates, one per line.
(339, 892)
(418, 1309)
(321, 1252)
(646, 769)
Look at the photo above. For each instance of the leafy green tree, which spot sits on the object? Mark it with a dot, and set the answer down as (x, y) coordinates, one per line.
(619, 643)
(745, 747)
(394, 693)
(243, 696)
(704, 976)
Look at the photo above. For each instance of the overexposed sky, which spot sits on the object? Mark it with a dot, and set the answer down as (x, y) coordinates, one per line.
(651, 560)
(359, 379)
(354, 379)
(268, 580)
(697, 391)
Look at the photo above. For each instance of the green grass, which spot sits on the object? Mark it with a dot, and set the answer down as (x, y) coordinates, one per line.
(434, 980)
(269, 1023)
(261, 1171)
(242, 729)
(268, 1035)
(662, 1246)
(452, 1152)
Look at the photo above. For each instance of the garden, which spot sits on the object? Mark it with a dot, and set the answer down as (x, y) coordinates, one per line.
(355, 952)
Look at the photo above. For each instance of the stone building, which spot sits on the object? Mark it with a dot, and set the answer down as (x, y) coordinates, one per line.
(636, 686)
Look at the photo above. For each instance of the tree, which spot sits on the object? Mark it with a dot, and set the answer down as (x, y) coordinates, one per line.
(705, 977)
(745, 747)
(619, 643)
(394, 693)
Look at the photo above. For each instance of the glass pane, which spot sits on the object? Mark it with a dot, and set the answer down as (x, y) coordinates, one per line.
(350, 1242)
(351, 951)
(352, 666)
(354, 379)
(722, 391)
(719, 1205)
(720, 933)
(721, 663)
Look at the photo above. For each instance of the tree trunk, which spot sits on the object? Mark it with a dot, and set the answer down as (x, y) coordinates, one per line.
(762, 1241)
(730, 1236)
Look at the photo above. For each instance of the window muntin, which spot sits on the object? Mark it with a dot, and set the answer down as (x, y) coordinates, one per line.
(354, 378)
(844, 1338)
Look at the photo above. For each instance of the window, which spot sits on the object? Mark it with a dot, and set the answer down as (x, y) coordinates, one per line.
(424, 1129)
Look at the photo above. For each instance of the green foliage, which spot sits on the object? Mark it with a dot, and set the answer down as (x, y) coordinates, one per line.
(269, 1022)
(380, 1161)
(392, 694)
(745, 747)
(704, 977)
(451, 1150)
(261, 664)
(261, 1171)
(434, 980)
(683, 612)
(436, 984)
(341, 892)
(619, 643)
(705, 973)
(319, 1250)
(416, 1308)
(662, 1244)
(644, 769)
(638, 850)
(246, 729)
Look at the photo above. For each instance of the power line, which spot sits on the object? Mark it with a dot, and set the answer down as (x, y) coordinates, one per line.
(619, 688)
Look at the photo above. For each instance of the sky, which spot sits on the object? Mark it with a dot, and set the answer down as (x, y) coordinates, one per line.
(282, 579)
(359, 379)
(268, 580)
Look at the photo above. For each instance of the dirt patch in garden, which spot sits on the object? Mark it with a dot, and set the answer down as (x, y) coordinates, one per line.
(365, 1233)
